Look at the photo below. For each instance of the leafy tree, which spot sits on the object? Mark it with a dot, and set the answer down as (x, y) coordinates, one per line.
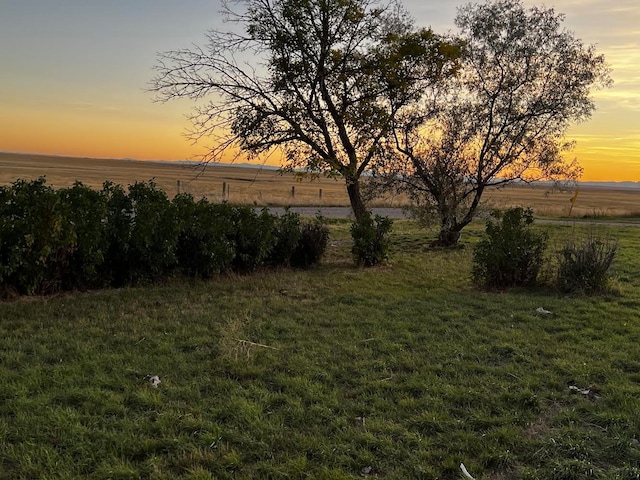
(318, 80)
(522, 81)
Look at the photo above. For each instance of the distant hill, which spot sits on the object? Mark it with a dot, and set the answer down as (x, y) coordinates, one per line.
(612, 184)
(628, 184)
(211, 164)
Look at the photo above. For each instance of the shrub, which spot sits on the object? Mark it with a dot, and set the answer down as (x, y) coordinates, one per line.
(82, 238)
(118, 224)
(35, 238)
(154, 232)
(512, 253)
(371, 240)
(286, 234)
(252, 235)
(204, 246)
(313, 241)
(85, 212)
(583, 266)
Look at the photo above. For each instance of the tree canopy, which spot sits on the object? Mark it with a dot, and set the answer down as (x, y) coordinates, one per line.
(319, 80)
(523, 80)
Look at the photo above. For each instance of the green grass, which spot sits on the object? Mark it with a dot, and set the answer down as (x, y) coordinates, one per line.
(440, 372)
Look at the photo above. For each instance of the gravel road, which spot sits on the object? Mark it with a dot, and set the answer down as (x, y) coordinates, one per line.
(338, 212)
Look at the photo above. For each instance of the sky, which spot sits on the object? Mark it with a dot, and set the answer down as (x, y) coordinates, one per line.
(74, 74)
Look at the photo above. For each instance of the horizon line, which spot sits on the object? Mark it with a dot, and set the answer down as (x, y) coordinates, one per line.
(270, 167)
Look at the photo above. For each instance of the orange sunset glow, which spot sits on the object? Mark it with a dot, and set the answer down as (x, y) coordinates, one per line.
(75, 74)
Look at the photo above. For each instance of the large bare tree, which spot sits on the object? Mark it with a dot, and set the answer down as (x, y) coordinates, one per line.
(523, 80)
(318, 80)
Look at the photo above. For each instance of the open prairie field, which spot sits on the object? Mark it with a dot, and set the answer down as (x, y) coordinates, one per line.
(266, 186)
(593, 202)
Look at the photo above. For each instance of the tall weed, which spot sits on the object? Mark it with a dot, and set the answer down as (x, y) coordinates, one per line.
(584, 265)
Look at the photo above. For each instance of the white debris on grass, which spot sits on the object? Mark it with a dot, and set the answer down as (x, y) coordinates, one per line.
(543, 311)
(366, 471)
(155, 381)
(465, 472)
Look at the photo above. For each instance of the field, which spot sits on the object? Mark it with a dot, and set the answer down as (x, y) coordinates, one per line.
(398, 372)
(268, 187)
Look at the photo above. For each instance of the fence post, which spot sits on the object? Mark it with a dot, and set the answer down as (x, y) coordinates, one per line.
(320, 194)
(178, 186)
(293, 192)
(224, 190)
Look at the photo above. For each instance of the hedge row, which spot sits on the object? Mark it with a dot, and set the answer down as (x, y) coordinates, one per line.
(80, 238)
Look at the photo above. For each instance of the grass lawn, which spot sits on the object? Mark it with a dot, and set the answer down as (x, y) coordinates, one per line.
(397, 372)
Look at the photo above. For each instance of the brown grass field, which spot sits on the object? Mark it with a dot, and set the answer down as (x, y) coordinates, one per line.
(264, 186)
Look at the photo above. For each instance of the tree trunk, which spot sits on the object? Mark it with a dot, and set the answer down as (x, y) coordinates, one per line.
(355, 197)
(450, 226)
(448, 237)
(450, 230)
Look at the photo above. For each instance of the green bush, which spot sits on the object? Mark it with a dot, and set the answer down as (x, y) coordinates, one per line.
(115, 269)
(313, 241)
(583, 266)
(82, 238)
(154, 232)
(371, 240)
(252, 235)
(36, 241)
(204, 246)
(85, 210)
(512, 253)
(286, 234)
(141, 233)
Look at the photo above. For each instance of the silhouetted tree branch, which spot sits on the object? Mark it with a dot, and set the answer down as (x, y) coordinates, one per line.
(319, 80)
(523, 80)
